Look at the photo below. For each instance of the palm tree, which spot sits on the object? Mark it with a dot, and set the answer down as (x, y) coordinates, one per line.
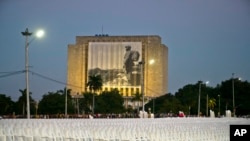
(22, 99)
(94, 84)
(211, 103)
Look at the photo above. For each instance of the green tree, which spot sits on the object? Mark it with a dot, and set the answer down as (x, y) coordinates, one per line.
(86, 102)
(110, 102)
(21, 104)
(241, 95)
(170, 104)
(188, 95)
(94, 84)
(54, 103)
(70, 107)
(6, 105)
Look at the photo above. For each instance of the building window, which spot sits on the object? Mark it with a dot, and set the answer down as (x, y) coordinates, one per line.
(132, 90)
(137, 90)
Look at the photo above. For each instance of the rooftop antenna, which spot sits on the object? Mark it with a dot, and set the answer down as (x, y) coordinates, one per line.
(102, 35)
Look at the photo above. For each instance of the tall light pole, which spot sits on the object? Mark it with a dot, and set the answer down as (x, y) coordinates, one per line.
(233, 94)
(219, 106)
(207, 106)
(142, 86)
(153, 105)
(27, 34)
(93, 104)
(199, 98)
(66, 102)
(151, 62)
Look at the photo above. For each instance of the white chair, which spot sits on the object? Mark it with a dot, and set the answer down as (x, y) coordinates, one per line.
(18, 134)
(28, 134)
(2, 136)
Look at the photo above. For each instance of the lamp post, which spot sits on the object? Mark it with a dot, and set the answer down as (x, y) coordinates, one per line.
(153, 106)
(189, 110)
(66, 102)
(36, 106)
(27, 34)
(199, 98)
(233, 94)
(219, 106)
(142, 87)
(207, 106)
(151, 62)
(93, 104)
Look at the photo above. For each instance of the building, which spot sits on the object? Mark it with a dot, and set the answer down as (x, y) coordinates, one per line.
(118, 60)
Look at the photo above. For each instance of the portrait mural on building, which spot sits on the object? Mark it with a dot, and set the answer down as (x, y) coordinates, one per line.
(116, 62)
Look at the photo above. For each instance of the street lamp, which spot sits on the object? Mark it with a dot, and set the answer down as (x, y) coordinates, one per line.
(152, 61)
(233, 94)
(234, 108)
(141, 63)
(66, 102)
(153, 105)
(142, 86)
(199, 99)
(39, 34)
(207, 106)
(219, 106)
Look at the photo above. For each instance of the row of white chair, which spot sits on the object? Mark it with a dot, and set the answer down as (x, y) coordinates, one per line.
(171, 129)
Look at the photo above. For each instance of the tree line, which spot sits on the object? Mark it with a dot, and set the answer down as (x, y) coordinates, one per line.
(218, 98)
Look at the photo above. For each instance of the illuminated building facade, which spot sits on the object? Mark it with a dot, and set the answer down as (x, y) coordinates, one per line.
(117, 59)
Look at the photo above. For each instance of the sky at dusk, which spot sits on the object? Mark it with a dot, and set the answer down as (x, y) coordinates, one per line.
(208, 40)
